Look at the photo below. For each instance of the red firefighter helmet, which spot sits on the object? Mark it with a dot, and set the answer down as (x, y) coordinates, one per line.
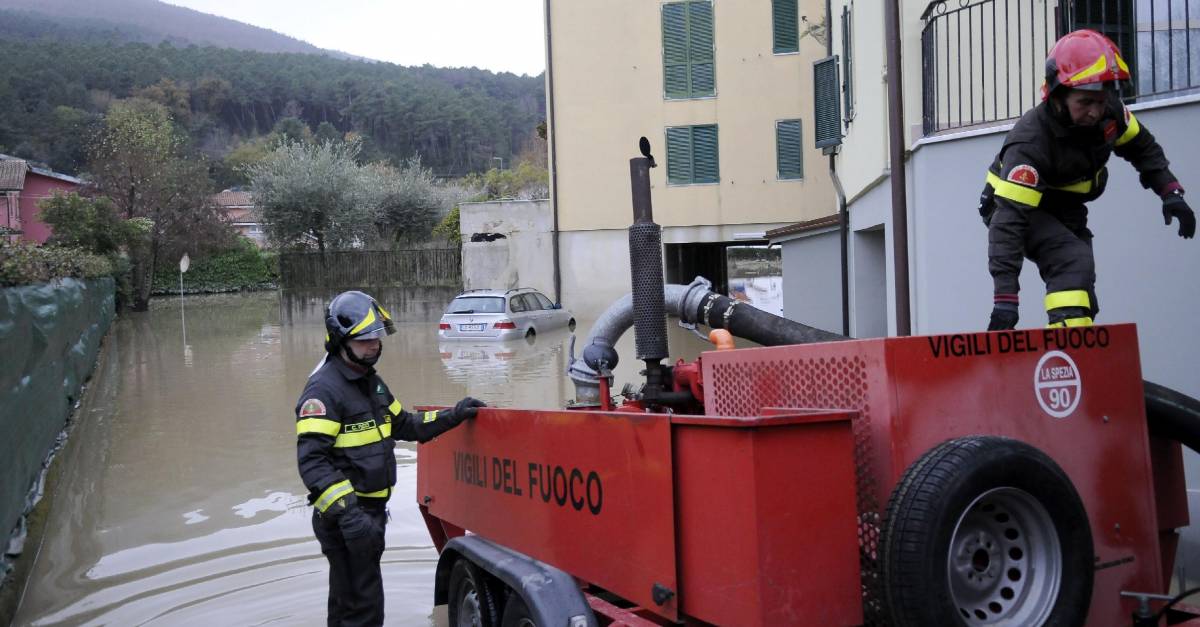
(1083, 59)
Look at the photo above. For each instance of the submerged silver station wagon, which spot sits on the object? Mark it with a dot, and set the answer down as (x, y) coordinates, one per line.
(502, 315)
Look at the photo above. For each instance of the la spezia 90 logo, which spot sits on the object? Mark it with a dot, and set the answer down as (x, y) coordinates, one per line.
(1057, 384)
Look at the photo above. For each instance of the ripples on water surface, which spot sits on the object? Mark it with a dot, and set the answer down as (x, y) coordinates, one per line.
(179, 502)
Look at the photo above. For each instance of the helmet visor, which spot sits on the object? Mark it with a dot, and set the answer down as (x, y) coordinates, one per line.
(382, 331)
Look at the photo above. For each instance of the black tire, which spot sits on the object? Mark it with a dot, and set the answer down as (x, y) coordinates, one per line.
(472, 603)
(571, 325)
(516, 613)
(529, 335)
(986, 530)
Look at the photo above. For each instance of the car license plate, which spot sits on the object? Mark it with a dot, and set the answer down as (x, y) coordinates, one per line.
(470, 327)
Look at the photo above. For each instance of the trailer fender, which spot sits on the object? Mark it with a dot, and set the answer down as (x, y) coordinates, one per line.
(552, 595)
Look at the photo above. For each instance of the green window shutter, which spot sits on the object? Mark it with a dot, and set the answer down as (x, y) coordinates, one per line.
(688, 58)
(679, 155)
(847, 64)
(788, 149)
(704, 154)
(692, 155)
(700, 48)
(827, 109)
(675, 50)
(785, 26)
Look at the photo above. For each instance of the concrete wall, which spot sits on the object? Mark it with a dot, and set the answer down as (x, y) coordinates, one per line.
(608, 92)
(1145, 271)
(812, 291)
(522, 258)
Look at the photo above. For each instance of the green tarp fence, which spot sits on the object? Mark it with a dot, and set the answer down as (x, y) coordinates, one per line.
(49, 337)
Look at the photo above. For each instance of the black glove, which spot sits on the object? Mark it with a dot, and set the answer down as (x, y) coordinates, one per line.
(466, 409)
(1004, 317)
(1175, 206)
(362, 536)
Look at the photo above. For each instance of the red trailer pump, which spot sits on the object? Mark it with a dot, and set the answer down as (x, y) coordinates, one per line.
(1005, 478)
(756, 514)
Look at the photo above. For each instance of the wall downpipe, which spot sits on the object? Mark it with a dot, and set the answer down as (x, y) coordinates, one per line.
(843, 211)
(895, 90)
(550, 144)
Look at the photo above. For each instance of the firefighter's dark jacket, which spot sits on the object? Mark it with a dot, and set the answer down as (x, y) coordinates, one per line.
(1047, 165)
(346, 424)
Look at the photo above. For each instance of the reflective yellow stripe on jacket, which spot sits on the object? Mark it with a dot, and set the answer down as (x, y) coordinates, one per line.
(1014, 191)
(1131, 131)
(318, 425)
(333, 428)
(332, 494)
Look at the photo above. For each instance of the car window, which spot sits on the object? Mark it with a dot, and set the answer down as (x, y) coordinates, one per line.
(545, 302)
(516, 304)
(476, 304)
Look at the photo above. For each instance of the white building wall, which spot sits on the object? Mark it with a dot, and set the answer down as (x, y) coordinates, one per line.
(524, 257)
(812, 292)
(865, 148)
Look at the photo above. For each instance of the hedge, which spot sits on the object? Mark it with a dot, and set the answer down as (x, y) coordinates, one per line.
(245, 268)
(26, 263)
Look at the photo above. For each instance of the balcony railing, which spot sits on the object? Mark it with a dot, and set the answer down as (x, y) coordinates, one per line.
(984, 60)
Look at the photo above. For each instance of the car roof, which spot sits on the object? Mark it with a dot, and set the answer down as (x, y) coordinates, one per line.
(495, 292)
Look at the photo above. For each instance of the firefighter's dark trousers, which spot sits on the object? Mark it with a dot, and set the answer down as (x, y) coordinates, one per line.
(355, 582)
(1061, 246)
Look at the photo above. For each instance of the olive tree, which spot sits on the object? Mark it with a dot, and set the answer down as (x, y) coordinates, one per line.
(309, 194)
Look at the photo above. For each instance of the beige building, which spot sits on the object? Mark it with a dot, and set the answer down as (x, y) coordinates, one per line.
(723, 91)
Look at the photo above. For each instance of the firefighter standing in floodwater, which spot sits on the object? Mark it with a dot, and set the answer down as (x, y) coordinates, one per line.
(347, 423)
(1052, 162)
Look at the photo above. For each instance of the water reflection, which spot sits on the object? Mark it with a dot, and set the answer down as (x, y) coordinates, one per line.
(516, 373)
(178, 500)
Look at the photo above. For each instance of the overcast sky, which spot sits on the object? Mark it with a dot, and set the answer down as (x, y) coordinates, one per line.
(497, 35)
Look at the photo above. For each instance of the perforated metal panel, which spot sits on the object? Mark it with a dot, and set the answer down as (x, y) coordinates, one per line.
(742, 389)
(650, 319)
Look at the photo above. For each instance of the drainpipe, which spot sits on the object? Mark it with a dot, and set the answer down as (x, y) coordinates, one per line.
(844, 236)
(843, 212)
(550, 130)
(896, 160)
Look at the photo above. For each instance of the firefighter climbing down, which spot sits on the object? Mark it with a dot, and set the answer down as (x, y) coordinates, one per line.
(1051, 164)
(346, 424)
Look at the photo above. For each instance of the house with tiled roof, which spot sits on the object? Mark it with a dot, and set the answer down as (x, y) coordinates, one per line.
(22, 186)
(238, 207)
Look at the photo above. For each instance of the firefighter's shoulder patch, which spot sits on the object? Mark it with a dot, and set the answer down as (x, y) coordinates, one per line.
(312, 407)
(1111, 131)
(1025, 175)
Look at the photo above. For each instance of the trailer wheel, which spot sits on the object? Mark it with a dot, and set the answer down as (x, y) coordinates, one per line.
(516, 613)
(986, 530)
(471, 600)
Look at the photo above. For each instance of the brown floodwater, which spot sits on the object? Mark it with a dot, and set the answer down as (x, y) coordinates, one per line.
(178, 500)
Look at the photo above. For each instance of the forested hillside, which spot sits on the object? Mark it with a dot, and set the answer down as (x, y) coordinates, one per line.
(151, 21)
(57, 80)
